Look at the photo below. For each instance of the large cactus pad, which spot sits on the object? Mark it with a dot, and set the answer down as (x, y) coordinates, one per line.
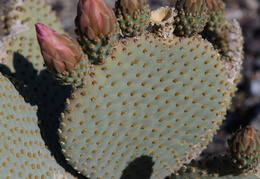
(22, 150)
(149, 107)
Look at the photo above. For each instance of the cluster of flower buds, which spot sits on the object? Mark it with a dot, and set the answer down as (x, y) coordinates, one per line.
(97, 32)
(61, 53)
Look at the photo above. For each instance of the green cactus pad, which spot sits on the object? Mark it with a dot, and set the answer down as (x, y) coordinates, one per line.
(159, 103)
(21, 15)
(21, 60)
(22, 150)
(228, 40)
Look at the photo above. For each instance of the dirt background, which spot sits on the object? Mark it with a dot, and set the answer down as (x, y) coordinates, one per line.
(246, 105)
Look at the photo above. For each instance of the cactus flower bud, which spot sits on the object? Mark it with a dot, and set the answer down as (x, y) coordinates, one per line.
(215, 5)
(94, 17)
(191, 18)
(192, 6)
(246, 141)
(130, 6)
(244, 148)
(133, 16)
(60, 52)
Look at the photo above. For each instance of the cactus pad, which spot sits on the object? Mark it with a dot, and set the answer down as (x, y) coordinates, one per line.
(146, 109)
(22, 150)
(22, 61)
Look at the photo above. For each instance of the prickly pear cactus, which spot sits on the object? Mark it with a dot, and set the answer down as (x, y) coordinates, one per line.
(21, 62)
(22, 148)
(147, 106)
(142, 102)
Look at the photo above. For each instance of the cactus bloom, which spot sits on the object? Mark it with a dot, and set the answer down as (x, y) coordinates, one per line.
(59, 51)
(94, 17)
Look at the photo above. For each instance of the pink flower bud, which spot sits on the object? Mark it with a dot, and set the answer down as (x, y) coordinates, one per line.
(60, 52)
(94, 17)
